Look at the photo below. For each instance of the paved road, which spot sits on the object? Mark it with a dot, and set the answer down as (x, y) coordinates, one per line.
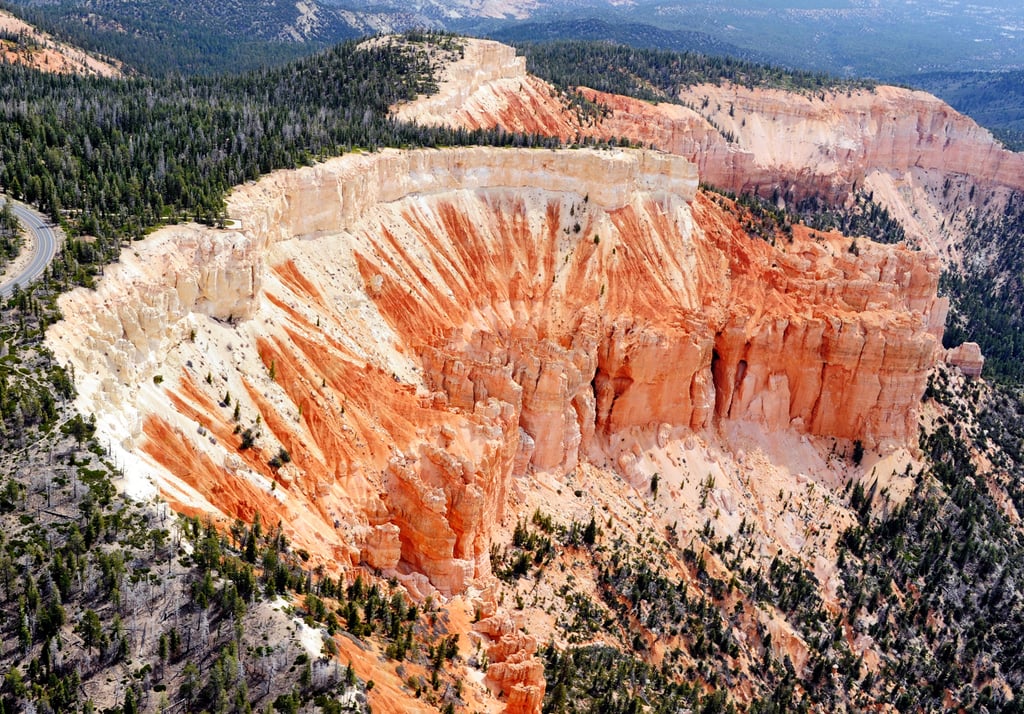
(45, 247)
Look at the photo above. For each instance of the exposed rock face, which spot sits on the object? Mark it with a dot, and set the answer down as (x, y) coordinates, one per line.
(489, 86)
(930, 166)
(415, 329)
(456, 9)
(514, 669)
(920, 158)
(838, 138)
(395, 475)
(967, 358)
(46, 54)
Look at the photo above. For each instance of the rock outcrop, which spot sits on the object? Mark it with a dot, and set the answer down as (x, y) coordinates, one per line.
(411, 330)
(918, 157)
(967, 358)
(489, 86)
(513, 669)
(835, 139)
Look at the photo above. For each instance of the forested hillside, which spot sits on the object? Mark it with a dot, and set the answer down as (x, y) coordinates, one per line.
(932, 581)
(10, 234)
(112, 159)
(988, 307)
(845, 37)
(657, 75)
(186, 38)
(632, 34)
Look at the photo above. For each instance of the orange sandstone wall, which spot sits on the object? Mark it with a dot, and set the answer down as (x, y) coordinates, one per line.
(930, 166)
(841, 137)
(417, 329)
(821, 142)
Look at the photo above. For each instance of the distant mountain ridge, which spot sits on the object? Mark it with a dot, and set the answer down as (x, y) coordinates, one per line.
(161, 37)
(634, 34)
(846, 38)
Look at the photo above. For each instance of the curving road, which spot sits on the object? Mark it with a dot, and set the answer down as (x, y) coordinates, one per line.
(43, 250)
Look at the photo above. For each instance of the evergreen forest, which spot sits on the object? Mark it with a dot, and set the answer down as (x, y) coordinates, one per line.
(656, 75)
(111, 159)
(177, 38)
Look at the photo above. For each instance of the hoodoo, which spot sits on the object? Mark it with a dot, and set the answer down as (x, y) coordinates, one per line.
(389, 340)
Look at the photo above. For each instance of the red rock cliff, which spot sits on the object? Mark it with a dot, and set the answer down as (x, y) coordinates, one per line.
(415, 329)
(920, 159)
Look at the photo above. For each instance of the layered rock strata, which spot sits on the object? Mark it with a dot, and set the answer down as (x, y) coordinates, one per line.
(513, 668)
(404, 333)
(836, 139)
(930, 166)
(967, 358)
